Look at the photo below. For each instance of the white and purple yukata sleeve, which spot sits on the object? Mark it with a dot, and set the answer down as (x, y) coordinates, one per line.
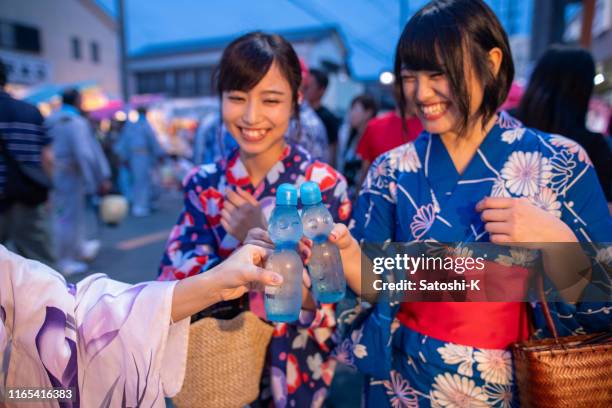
(111, 342)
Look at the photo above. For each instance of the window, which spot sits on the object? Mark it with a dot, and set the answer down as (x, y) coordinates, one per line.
(151, 82)
(19, 37)
(186, 82)
(203, 80)
(27, 38)
(95, 52)
(75, 44)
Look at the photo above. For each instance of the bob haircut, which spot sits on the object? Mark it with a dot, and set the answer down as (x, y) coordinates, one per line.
(448, 36)
(247, 59)
(558, 94)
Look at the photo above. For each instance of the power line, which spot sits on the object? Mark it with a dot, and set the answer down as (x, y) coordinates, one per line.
(357, 40)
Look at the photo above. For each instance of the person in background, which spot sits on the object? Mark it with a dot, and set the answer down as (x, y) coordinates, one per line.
(139, 147)
(24, 138)
(313, 93)
(557, 101)
(307, 130)
(363, 109)
(212, 141)
(385, 133)
(78, 172)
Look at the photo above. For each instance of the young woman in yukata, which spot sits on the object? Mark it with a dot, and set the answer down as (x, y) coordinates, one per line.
(258, 81)
(473, 175)
(112, 344)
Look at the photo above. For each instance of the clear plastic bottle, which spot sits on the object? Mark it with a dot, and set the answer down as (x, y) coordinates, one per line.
(283, 303)
(325, 266)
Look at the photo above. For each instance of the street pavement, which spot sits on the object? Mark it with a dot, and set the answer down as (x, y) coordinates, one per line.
(131, 251)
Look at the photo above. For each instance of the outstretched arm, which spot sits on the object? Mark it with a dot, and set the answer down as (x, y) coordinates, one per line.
(227, 281)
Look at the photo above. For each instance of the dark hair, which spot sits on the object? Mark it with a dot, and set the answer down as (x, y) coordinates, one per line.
(438, 37)
(71, 97)
(320, 77)
(558, 94)
(367, 102)
(2, 74)
(247, 59)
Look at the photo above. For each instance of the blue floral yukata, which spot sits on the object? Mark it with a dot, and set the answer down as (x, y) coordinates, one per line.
(299, 370)
(414, 193)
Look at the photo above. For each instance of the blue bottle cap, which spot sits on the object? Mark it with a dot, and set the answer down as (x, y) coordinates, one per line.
(286, 194)
(310, 193)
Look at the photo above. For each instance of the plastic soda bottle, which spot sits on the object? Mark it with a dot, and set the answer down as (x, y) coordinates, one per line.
(325, 267)
(283, 303)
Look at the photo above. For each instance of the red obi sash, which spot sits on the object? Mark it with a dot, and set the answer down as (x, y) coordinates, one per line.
(493, 325)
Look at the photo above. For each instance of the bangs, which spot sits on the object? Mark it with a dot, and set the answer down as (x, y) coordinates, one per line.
(244, 65)
(430, 42)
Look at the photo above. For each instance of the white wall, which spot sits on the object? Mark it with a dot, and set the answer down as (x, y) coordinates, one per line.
(58, 21)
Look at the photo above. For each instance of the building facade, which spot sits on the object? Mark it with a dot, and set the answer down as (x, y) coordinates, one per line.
(185, 69)
(59, 42)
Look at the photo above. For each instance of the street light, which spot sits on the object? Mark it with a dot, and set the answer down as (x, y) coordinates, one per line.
(599, 79)
(386, 78)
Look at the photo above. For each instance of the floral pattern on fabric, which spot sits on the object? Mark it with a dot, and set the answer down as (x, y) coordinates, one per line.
(299, 368)
(420, 196)
(110, 342)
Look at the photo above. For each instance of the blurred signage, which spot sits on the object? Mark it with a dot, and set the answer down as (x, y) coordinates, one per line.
(25, 70)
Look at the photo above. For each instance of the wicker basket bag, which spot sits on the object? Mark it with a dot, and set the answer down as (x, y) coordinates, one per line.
(224, 362)
(573, 371)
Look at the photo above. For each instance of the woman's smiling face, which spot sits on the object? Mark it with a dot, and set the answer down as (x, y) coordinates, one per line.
(258, 119)
(433, 99)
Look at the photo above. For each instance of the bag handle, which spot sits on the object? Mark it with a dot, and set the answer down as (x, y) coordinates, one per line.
(542, 298)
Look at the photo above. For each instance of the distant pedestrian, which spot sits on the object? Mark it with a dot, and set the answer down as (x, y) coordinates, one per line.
(557, 101)
(139, 147)
(314, 90)
(80, 169)
(25, 162)
(363, 109)
(386, 132)
(212, 141)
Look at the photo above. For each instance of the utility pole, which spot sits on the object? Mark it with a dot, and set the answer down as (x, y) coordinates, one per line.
(588, 13)
(121, 24)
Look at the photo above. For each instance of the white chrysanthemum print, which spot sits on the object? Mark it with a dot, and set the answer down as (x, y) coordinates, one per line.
(505, 121)
(604, 256)
(500, 396)
(455, 391)
(401, 394)
(546, 199)
(422, 220)
(499, 189)
(379, 175)
(461, 252)
(571, 146)
(518, 256)
(512, 135)
(562, 166)
(495, 366)
(405, 158)
(526, 172)
(457, 354)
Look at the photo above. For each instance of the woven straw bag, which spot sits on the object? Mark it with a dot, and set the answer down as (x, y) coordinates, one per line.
(573, 371)
(224, 362)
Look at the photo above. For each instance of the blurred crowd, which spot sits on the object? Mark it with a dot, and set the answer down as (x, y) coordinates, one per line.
(60, 170)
